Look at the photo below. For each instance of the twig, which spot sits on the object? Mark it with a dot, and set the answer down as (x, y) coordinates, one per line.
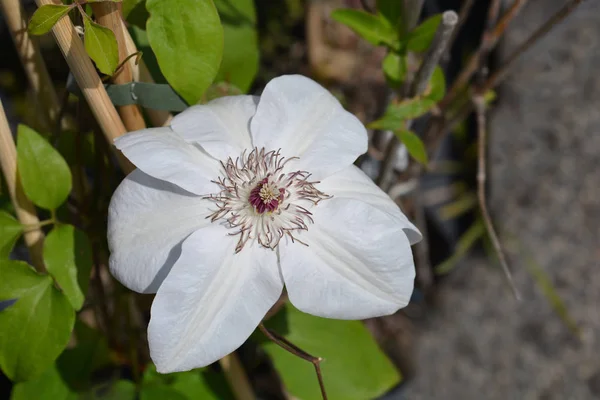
(89, 82)
(236, 377)
(463, 14)
(430, 61)
(434, 53)
(479, 104)
(32, 61)
(447, 125)
(501, 72)
(107, 14)
(298, 352)
(24, 209)
(489, 41)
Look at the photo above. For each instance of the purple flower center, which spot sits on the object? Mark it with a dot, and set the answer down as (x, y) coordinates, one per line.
(266, 196)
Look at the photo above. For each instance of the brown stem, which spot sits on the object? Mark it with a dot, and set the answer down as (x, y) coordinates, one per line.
(435, 52)
(443, 125)
(560, 15)
(463, 14)
(479, 104)
(489, 41)
(32, 61)
(107, 14)
(25, 210)
(236, 377)
(298, 352)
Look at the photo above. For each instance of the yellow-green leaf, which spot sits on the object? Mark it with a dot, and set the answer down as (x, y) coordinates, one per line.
(394, 69)
(374, 29)
(397, 114)
(420, 38)
(10, 230)
(37, 327)
(67, 255)
(45, 17)
(437, 85)
(45, 175)
(101, 46)
(413, 144)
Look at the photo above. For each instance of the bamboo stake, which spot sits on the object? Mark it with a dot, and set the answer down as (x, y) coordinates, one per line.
(32, 61)
(108, 15)
(25, 210)
(89, 82)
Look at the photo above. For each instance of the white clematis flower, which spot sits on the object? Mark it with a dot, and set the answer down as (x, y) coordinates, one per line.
(241, 196)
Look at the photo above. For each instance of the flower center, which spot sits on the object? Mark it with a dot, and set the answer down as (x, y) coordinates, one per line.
(266, 196)
(260, 200)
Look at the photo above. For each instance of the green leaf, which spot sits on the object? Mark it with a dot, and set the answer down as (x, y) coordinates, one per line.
(437, 85)
(10, 230)
(48, 386)
(413, 144)
(391, 11)
(354, 368)
(77, 364)
(44, 174)
(464, 244)
(119, 390)
(394, 69)
(240, 54)
(134, 11)
(101, 46)
(68, 258)
(397, 114)
(195, 384)
(45, 17)
(187, 39)
(420, 38)
(370, 27)
(37, 327)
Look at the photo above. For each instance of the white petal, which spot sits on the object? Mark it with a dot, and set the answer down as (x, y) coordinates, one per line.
(353, 183)
(212, 300)
(221, 127)
(302, 118)
(163, 154)
(358, 263)
(147, 221)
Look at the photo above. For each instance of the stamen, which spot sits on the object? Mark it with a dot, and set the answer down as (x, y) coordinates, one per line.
(263, 202)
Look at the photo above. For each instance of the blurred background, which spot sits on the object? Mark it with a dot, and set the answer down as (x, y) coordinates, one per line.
(464, 336)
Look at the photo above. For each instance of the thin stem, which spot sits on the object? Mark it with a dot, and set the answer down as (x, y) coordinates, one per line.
(34, 227)
(489, 41)
(298, 352)
(236, 377)
(480, 107)
(560, 15)
(435, 52)
(463, 14)
(31, 59)
(435, 133)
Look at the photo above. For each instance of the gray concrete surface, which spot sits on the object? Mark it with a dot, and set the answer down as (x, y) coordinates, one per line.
(545, 192)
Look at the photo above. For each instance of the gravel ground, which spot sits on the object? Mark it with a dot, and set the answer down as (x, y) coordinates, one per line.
(479, 343)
